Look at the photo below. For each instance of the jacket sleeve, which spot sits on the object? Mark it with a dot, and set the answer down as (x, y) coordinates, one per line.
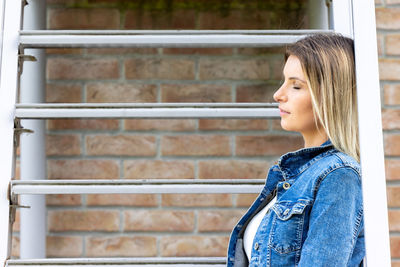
(335, 220)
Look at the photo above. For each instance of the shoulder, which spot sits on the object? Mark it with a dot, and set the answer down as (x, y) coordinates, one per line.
(339, 170)
(336, 161)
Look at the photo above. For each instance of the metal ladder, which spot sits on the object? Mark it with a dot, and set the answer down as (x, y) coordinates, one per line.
(343, 19)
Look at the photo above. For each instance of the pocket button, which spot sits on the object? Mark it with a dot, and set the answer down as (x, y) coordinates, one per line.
(286, 186)
(256, 246)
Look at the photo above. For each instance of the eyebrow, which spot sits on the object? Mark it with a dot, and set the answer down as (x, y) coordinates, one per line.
(296, 78)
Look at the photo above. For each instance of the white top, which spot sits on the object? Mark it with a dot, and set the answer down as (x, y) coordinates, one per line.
(252, 227)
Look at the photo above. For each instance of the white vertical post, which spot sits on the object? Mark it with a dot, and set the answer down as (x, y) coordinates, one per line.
(342, 17)
(8, 89)
(318, 14)
(371, 142)
(33, 156)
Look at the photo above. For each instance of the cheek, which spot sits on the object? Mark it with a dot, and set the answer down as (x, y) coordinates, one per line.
(306, 114)
(302, 116)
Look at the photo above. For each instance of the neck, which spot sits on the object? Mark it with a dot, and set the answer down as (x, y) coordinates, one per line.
(314, 139)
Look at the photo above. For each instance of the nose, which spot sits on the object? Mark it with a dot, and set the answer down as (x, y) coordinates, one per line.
(279, 95)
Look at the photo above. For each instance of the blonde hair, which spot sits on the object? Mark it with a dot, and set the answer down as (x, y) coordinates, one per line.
(327, 61)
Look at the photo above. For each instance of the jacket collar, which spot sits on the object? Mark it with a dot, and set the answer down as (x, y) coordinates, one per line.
(293, 163)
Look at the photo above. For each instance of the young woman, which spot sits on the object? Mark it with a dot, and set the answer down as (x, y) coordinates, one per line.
(310, 211)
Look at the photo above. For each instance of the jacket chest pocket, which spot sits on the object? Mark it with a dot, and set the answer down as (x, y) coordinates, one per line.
(287, 226)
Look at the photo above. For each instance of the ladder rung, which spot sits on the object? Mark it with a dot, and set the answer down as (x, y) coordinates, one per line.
(162, 261)
(154, 110)
(150, 186)
(167, 38)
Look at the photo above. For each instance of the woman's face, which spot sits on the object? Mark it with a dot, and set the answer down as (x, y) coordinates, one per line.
(295, 100)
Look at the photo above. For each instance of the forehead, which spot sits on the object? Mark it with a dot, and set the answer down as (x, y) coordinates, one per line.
(293, 68)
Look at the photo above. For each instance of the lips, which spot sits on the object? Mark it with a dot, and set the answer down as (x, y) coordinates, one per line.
(282, 111)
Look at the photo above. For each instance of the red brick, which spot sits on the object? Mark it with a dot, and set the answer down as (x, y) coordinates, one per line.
(395, 246)
(17, 222)
(257, 51)
(63, 93)
(124, 145)
(392, 44)
(83, 220)
(64, 51)
(159, 220)
(218, 220)
(143, 200)
(233, 169)
(232, 124)
(15, 245)
(393, 196)
(187, 246)
(158, 20)
(157, 169)
(395, 263)
(389, 69)
(17, 170)
(197, 200)
(235, 69)
(195, 93)
(82, 69)
(277, 65)
(195, 145)
(160, 125)
(245, 200)
(64, 246)
(235, 19)
(80, 19)
(121, 93)
(391, 94)
(380, 43)
(394, 220)
(124, 246)
(83, 124)
(387, 18)
(392, 169)
(58, 145)
(159, 68)
(392, 144)
(391, 119)
(267, 145)
(82, 169)
(198, 51)
(63, 200)
(122, 51)
(256, 93)
(276, 124)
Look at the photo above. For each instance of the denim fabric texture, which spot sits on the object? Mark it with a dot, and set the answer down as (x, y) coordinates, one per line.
(317, 219)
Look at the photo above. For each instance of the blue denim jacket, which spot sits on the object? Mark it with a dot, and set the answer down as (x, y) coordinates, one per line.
(317, 219)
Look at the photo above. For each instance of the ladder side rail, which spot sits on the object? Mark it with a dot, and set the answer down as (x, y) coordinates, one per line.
(341, 17)
(11, 10)
(32, 149)
(371, 140)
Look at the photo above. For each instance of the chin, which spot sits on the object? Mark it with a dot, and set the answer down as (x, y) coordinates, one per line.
(287, 127)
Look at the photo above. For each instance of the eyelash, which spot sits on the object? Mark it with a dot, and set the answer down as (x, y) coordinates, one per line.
(296, 87)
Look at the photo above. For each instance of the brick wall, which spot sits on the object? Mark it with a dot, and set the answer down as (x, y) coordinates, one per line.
(179, 224)
(388, 29)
